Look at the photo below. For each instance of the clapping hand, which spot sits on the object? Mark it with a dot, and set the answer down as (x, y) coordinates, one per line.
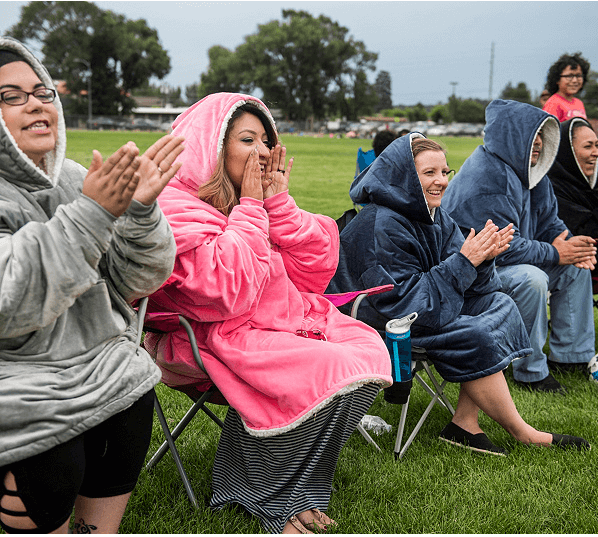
(157, 167)
(487, 244)
(579, 250)
(112, 184)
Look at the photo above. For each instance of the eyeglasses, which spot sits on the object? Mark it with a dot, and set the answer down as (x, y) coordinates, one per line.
(20, 97)
(571, 77)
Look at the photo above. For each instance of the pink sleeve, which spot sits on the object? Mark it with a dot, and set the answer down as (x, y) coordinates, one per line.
(308, 243)
(220, 265)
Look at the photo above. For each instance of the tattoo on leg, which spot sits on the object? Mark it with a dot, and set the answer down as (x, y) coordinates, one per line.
(82, 527)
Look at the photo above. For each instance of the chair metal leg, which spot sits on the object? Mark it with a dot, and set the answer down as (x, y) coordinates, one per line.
(174, 453)
(401, 428)
(367, 437)
(438, 396)
(176, 431)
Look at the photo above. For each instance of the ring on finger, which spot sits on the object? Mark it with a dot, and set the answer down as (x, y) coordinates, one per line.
(282, 171)
(160, 170)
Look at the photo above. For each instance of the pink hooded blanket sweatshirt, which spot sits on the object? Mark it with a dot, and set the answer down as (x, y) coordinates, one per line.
(248, 283)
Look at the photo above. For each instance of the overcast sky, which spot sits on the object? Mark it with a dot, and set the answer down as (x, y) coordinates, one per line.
(423, 45)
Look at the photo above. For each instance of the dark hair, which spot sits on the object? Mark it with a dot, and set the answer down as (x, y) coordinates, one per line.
(9, 56)
(578, 125)
(382, 140)
(419, 145)
(554, 73)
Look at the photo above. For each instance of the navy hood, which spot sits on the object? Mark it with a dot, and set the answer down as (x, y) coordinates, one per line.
(510, 131)
(392, 181)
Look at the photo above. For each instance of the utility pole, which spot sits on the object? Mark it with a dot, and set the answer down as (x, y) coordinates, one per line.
(491, 70)
(89, 116)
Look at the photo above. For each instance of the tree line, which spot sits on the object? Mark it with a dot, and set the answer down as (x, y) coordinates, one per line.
(305, 66)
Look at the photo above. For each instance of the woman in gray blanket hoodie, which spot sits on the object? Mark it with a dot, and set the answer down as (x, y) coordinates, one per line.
(76, 247)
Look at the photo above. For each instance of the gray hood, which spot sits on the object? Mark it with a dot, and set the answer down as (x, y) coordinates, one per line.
(15, 166)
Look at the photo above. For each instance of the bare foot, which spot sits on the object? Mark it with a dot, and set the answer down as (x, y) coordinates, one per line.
(315, 520)
(294, 526)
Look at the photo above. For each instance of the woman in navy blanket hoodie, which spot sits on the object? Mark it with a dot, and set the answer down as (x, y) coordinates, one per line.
(470, 330)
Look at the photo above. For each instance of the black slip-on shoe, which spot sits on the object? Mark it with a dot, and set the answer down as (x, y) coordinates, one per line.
(453, 434)
(548, 385)
(566, 441)
(564, 367)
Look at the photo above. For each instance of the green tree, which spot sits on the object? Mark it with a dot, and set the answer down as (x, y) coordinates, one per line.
(383, 90)
(519, 93)
(308, 66)
(123, 54)
(224, 73)
(191, 94)
(417, 113)
(440, 114)
(470, 111)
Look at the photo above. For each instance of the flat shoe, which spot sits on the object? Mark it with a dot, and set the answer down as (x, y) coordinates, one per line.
(566, 441)
(480, 443)
(548, 384)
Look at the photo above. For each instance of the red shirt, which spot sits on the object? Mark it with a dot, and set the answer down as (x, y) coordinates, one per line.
(564, 109)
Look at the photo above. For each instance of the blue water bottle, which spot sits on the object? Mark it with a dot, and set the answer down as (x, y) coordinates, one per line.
(398, 342)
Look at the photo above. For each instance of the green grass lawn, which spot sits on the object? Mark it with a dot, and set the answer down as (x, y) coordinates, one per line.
(435, 488)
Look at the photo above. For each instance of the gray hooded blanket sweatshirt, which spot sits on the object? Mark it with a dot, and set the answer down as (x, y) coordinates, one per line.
(68, 270)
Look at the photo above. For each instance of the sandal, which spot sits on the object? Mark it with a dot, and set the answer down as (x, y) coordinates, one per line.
(320, 521)
(298, 525)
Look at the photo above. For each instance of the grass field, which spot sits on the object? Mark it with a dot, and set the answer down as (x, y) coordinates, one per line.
(435, 488)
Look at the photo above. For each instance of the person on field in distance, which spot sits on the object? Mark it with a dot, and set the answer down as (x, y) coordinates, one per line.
(76, 247)
(469, 329)
(250, 271)
(505, 180)
(565, 79)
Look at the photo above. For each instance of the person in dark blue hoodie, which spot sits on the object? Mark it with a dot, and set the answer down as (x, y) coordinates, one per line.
(505, 180)
(470, 331)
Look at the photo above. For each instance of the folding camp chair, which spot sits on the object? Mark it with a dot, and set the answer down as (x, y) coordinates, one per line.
(420, 362)
(163, 322)
(364, 159)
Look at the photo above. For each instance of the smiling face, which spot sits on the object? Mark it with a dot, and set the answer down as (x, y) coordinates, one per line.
(433, 172)
(568, 87)
(585, 147)
(33, 125)
(245, 135)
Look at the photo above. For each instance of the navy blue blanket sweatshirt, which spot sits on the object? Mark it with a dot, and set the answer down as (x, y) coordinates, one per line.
(469, 329)
(497, 181)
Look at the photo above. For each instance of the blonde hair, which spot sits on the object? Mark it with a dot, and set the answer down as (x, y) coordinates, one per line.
(219, 191)
(419, 145)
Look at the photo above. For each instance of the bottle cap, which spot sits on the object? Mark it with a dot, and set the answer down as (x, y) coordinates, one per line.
(402, 325)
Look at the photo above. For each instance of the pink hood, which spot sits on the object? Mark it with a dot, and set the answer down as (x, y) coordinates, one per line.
(204, 125)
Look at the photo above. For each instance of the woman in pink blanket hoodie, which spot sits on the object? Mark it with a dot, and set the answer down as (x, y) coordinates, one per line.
(250, 271)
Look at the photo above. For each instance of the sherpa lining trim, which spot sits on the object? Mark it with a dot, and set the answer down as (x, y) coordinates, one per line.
(592, 179)
(551, 136)
(229, 114)
(264, 433)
